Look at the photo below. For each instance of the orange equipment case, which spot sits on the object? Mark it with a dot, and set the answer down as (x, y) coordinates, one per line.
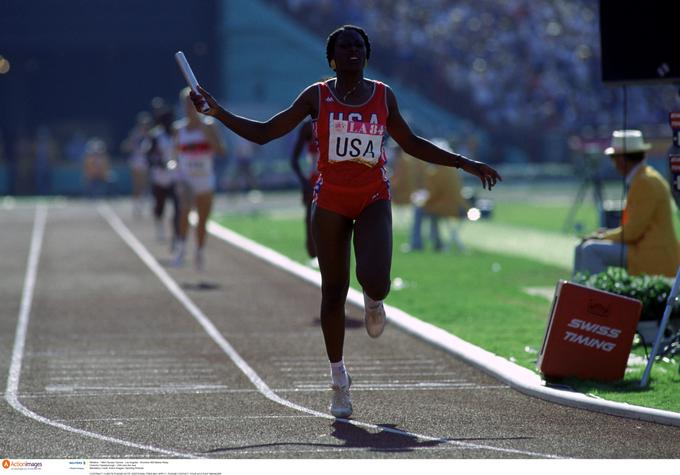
(589, 333)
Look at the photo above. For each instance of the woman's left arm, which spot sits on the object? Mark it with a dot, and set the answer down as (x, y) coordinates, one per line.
(427, 151)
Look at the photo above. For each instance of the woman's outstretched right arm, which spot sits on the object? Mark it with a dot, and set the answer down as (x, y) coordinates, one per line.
(256, 131)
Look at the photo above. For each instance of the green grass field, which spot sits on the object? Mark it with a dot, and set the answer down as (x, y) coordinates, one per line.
(496, 296)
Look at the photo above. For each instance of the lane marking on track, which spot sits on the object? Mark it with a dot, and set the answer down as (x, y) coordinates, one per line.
(189, 418)
(14, 376)
(108, 392)
(124, 232)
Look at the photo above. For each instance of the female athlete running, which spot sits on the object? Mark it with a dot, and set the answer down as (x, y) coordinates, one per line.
(351, 116)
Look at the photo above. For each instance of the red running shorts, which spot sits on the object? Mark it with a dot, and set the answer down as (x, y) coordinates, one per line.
(348, 201)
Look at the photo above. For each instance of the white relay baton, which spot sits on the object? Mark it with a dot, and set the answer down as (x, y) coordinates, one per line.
(189, 76)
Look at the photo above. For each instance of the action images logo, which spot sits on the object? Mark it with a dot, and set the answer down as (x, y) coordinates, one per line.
(6, 464)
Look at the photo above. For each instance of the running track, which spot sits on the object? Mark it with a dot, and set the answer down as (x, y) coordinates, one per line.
(105, 352)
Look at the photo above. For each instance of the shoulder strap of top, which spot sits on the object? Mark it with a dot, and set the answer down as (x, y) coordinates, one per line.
(380, 93)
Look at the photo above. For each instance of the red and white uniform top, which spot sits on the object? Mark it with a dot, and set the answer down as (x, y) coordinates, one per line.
(195, 153)
(351, 138)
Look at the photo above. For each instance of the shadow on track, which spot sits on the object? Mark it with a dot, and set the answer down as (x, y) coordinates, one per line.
(353, 437)
(201, 286)
(349, 322)
(359, 438)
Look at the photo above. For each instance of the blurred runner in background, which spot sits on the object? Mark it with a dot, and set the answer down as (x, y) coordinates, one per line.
(96, 168)
(160, 154)
(198, 143)
(307, 141)
(133, 145)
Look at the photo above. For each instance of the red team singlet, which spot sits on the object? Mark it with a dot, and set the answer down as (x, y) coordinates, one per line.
(351, 152)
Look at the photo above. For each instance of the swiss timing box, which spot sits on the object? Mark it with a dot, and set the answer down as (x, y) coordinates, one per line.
(589, 334)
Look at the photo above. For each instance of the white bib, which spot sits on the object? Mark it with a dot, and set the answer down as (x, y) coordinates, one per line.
(355, 141)
(197, 165)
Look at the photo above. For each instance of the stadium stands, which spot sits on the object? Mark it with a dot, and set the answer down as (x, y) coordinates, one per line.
(528, 70)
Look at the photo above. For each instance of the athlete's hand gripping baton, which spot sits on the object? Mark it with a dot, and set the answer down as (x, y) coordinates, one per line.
(189, 76)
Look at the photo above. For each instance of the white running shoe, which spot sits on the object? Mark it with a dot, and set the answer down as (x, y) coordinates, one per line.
(341, 404)
(374, 316)
(178, 259)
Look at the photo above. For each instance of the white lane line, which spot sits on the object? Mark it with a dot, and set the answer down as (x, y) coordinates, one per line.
(12, 390)
(188, 418)
(179, 388)
(136, 373)
(369, 386)
(98, 393)
(117, 224)
(75, 394)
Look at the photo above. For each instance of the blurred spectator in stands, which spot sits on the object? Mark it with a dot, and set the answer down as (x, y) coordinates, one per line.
(22, 153)
(134, 145)
(477, 50)
(96, 168)
(3, 154)
(7, 160)
(45, 154)
(75, 147)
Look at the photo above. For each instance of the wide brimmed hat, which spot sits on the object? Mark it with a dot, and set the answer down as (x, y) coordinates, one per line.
(625, 142)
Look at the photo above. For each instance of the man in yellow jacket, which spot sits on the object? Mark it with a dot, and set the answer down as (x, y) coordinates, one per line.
(646, 238)
(438, 198)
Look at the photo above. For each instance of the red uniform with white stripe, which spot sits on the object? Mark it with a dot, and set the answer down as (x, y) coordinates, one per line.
(351, 152)
(195, 157)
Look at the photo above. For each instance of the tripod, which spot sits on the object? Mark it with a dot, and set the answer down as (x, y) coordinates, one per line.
(674, 168)
(662, 328)
(592, 179)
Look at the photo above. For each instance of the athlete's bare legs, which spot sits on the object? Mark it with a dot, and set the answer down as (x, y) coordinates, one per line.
(332, 235)
(204, 203)
(373, 248)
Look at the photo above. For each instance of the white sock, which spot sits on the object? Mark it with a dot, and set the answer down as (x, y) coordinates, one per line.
(339, 373)
(369, 302)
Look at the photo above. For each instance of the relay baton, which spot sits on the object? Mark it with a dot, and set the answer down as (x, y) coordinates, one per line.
(189, 76)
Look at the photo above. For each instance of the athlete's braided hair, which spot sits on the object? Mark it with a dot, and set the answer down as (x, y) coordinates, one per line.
(330, 42)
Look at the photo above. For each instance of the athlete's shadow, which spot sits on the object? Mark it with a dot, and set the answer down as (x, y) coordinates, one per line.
(201, 286)
(388, 439)
(349, 322)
